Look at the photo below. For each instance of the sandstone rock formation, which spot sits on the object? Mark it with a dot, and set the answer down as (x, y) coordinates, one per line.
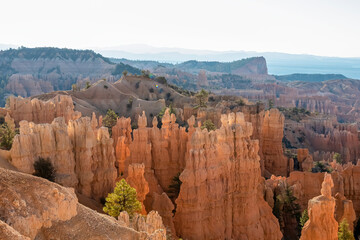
(344, 210)
(34, 208)
(272, 133)
(38, 111)
(94, 158)
(305, 160)
(83, 158)
(46, 141)
(162, 151)
(137, 180)
(220, 180)
(121, 133)
(29, 203)
(351, 183)
(321, 224)
(90, 225)
(324, 136)
(151, 224)
(8, 233)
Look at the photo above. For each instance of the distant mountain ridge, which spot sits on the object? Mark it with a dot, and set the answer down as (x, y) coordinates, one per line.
(247, 66)
(277, 63)
(309, 77)
(32, 71)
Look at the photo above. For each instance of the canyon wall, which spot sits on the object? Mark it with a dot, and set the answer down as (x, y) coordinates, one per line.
(219, 196)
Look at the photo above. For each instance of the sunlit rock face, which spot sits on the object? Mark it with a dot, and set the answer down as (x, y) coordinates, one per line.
(83, 158)
(38, 111)
(219, 197)
(271, 138)
(321, 224)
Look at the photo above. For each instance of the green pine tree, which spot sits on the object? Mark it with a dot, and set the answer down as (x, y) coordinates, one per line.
(202, 98)
(304, 217)
(337, 158)
(209, 125)
(6, 136)
(122, 199)
(110, 119)
(344, 231)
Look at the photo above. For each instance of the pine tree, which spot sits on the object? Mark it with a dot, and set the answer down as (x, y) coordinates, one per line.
(110, 120)
(344, 231)
(209, 125)
(202, 98)
(122, 199)
(304, 218)
(6, 136)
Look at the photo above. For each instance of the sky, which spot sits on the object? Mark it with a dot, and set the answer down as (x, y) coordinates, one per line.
(318, 27)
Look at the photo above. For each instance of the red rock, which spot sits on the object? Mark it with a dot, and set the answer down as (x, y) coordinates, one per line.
(220, 180)
(321, 224)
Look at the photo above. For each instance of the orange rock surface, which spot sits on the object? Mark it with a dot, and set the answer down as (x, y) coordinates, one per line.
(344, 210)
(271, 143)
(221, 180)
(38, 111)
(137, 180)
(321, 224)
(83, 158)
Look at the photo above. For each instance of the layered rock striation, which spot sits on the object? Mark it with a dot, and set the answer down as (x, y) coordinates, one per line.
(321, 224)
(82, 157)
(219, 196)
(38, 111)
(271, 143)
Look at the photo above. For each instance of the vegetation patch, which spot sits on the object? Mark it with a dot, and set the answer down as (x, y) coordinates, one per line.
(44, 169)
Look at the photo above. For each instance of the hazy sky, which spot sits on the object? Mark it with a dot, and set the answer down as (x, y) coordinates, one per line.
(320, 27)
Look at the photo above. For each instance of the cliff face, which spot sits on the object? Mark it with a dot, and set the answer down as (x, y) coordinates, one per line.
(321, 224)
(82, 157)
(220, 180)
(271, 138)
(38, 111)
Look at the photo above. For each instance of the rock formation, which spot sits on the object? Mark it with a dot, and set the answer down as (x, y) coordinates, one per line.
(321, 224)
(168, 149)
(34, 208)
(8, 233)
(47, 141)
(29, 203)
(83, 158)
(272, 133)
(351, 183)
(324, 136)
(137, 180)
(220, 180)
(151, 224)
(38, 111)
(305, 160)
(344, 210)
(121, 133)
(94, 158)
